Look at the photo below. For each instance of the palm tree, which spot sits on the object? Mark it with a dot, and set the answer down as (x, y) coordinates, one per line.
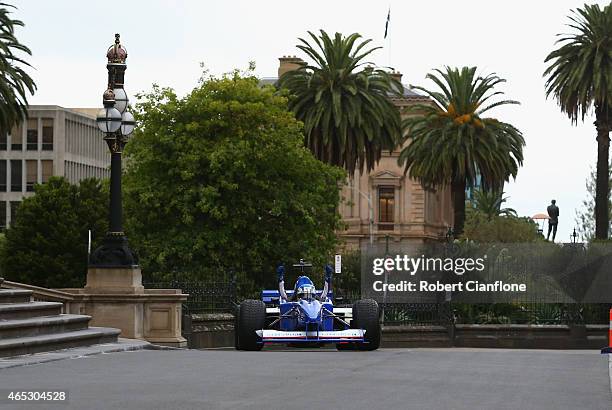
(450, 142)
(580, 77)
(15, 83)
(490, 203)
(344, 102)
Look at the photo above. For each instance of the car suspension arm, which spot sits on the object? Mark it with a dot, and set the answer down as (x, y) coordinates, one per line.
(288, 314)
(336, 317)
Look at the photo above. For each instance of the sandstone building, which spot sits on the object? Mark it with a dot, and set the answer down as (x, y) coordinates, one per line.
(53, 141)
(385, 201)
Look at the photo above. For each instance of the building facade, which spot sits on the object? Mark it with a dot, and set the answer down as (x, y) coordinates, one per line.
(386, 203)
(53, 141)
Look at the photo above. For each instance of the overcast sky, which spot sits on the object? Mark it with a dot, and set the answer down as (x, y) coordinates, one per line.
(166, 41)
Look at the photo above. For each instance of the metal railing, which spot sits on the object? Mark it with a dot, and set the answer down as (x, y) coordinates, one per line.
(217, 296)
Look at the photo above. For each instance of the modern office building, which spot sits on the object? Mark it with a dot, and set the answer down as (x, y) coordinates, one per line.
(53, 141)
(386, 202)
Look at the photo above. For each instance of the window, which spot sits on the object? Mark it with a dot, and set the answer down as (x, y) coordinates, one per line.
(3, 142)
(16, 138)
(14, 208)
(16, 174)
(386, 211)
(47, 134)
(32, 135)
(47, 170)
(31, 174)
(2, 214)
(3, 175)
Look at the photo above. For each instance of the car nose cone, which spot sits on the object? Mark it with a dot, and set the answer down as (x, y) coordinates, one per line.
(311, 309)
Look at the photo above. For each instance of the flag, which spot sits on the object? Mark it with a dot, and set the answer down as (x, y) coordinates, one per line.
(387, 23)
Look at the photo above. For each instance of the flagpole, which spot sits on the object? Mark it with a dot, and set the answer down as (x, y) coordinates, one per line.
(387, 36)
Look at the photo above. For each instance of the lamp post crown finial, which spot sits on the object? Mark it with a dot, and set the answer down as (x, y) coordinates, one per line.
(116, 53)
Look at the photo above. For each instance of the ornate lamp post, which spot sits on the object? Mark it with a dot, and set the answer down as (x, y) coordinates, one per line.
(117, 124)
(574, 236)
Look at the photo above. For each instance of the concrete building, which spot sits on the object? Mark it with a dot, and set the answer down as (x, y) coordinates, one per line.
(53, 141)
(385, 201)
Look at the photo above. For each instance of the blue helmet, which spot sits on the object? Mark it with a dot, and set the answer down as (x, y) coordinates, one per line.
(304, 288)
(303, 280)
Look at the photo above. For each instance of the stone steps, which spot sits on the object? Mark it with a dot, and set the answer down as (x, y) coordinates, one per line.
(42, 325)
(29, 310)
(28, 326)
(15, 296)
(57, 341)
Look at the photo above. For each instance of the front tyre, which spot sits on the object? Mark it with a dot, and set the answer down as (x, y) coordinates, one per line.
(366, 317)
(236, 327)
(251, 317)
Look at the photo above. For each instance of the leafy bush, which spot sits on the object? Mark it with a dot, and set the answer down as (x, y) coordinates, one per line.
(220, 180)
(483, 228)
(46, 244)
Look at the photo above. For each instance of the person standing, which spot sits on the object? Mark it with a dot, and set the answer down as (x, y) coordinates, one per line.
(553, 214)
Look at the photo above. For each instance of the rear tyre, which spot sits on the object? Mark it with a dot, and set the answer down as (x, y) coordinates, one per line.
(366, 317)
(251, 317)
(236, 327)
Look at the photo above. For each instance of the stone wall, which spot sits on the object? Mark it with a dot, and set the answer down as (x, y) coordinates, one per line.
(218, 331)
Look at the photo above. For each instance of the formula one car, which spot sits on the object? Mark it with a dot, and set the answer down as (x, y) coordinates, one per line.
(306, 317)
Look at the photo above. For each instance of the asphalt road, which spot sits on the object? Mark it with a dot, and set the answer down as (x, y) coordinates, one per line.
(320, 379)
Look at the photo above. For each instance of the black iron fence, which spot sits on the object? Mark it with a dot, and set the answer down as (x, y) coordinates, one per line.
(220, 296)
(217, 296)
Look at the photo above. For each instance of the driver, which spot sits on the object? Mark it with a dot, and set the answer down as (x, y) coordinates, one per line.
(304, 288)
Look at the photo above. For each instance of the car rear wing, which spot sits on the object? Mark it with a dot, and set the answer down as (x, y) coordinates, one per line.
(273, 296)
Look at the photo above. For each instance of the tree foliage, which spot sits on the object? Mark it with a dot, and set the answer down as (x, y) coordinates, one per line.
(490, 203)
(585, 216)
(580, 79)
(580, 70)
(482, 228)
(15, 83)
(46, 244)
(344, 102)
(451, 142)
(220, 180)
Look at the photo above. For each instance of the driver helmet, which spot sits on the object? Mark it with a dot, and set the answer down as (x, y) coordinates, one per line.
(306, 291)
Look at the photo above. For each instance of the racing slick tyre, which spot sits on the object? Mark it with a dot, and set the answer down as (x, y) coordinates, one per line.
(366, 317)
(236, 327)
(251, 317)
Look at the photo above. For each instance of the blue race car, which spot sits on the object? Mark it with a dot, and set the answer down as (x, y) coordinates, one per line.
(305, 316)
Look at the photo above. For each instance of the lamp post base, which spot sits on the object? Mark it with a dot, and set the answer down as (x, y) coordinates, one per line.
(114, 253)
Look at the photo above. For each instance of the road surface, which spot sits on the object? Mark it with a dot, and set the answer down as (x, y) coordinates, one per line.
(320, 379)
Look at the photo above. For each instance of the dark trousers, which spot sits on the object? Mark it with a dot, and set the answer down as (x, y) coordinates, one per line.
(552, 226)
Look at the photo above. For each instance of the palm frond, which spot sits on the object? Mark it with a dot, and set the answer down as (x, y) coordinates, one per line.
(344, 101)
(15, 83)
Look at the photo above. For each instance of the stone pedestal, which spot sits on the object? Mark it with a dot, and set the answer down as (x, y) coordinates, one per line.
(115, 297)
(114, 280)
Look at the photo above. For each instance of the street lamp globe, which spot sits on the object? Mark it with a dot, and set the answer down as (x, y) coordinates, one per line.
(127, 123)
(108, 120)
(121, 99)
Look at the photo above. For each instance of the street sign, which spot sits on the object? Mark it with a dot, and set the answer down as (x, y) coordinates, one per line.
(338, 263)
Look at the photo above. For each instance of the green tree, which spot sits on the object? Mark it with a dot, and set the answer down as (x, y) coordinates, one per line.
(344, 102)
(585, 217)
(15, 83)
(46, 244)
(482, 228)
(450, 142)
(490, 203)
(220, 179)
(580, 78)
